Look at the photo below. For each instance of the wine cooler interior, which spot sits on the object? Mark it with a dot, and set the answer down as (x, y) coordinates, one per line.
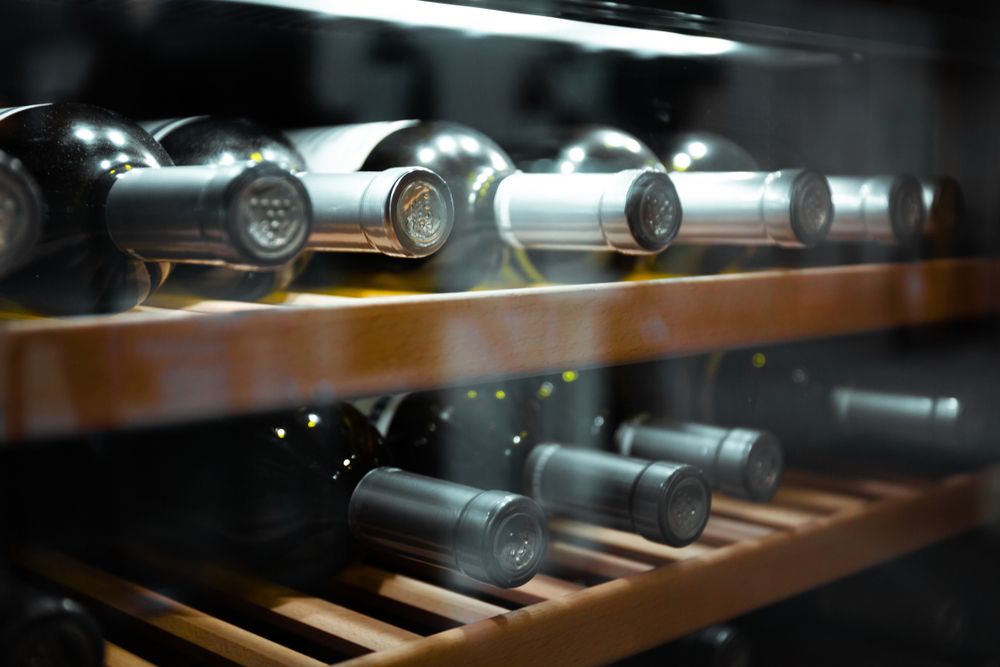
(494, 332)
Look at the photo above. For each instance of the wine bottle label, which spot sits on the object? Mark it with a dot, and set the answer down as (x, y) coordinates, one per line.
(10, 111)
(164, 126)
(344, 148)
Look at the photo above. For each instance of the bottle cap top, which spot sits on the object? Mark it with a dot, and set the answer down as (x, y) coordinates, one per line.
(419, 211)
(749, 464)
(653, 210)
(20, 213)
(907, 212)
(501, 538)
(810, 207)
(269, 215)
(671, 503)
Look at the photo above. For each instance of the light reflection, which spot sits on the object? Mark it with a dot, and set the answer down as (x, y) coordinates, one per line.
(470, 144)
(105, 164)
(227, 158)
(681, 162)
(426, 154)
(447, 144)
(697, 149)
(493, 22)
(576, 154)
(116, 137)
(85, 133)
(567, 167)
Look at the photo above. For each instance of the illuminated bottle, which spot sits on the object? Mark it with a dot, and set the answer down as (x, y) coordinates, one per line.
(790, 207)
(20, 213)
(113, 219)
(406, 212)
(483, 436)
(884, 209)
(290, 495)
(496, 207)
(42, 630)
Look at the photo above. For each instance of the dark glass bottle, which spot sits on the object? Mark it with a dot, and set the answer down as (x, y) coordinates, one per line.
(586, 409)
(20, 213)
(400, 213)
(114, 220)
(827, 398)
(42, 630)
(290, 495)
(497, 208)
(483, 436)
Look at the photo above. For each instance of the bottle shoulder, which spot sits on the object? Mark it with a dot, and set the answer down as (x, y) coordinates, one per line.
(207, 140)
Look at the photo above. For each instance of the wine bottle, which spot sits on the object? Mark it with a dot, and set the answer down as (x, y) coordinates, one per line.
(741, 462)
(715, 646)
(498, 208)
(42, 630)
(791, 207)
(20, 213)
(405, 212)
(478, 436)
(583, 408)
(292, 495)
(885, 209)
(114, 219)
(943, 201)
(828, 399)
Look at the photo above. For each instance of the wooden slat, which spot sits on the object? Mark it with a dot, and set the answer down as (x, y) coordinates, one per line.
(116, 656)
(194, 629)
(321, 621)
(623, 543)
(620, 617)
(90, 373)
(721, 531)
(861, 486)
(762, 514)
(593, 563)
(428, 599)
(814, 499)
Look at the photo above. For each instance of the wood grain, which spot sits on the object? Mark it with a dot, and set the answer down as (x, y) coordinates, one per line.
(90, 373)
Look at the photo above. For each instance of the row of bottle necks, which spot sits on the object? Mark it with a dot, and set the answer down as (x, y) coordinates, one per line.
(98, 212)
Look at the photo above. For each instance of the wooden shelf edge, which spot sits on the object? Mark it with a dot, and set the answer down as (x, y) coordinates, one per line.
(63, 377)
(625, 616)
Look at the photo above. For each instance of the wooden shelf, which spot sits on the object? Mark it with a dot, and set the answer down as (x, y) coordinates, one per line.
(158, 365)
(640, 594)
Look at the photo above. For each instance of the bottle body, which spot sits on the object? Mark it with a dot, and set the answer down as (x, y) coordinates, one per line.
(501, 214)
(20, 213)
(472, 166)
(295, 496)
(480, 436)
(41, 629)
(75, 258)
(117, 213)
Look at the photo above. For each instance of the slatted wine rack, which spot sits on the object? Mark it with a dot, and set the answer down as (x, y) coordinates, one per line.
(603, 593)
(196, 359)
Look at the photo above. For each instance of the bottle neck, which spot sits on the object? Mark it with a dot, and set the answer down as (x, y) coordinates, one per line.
(248, 216)
(632, 212)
